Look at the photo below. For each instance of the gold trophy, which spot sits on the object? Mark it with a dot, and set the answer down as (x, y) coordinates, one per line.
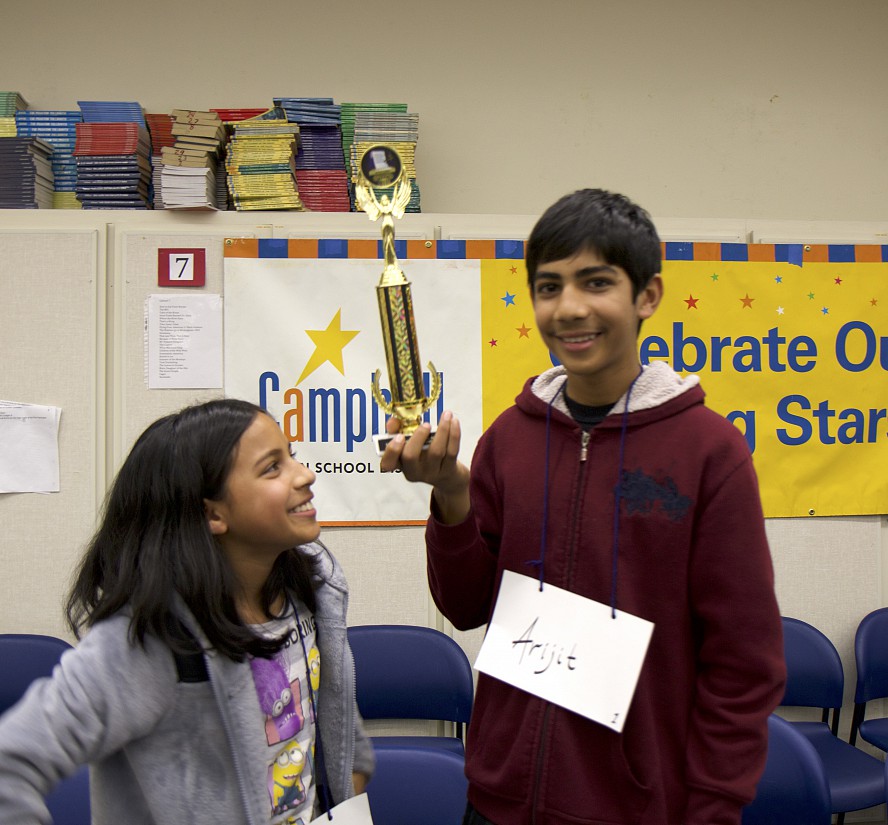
(381, 166)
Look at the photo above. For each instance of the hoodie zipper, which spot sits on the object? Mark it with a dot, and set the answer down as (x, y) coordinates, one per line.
(547, 712)
(226, 725)
(539, 764)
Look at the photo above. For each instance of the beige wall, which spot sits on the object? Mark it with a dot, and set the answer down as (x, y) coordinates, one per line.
(695, 108)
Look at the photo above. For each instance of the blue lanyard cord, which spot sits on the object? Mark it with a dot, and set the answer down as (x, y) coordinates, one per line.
(320, 764)
(618, 495)
(541, 561)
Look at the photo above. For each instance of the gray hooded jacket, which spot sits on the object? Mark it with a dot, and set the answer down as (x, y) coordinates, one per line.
(164, 752)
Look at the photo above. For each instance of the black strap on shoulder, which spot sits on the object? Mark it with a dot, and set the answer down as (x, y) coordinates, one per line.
(190, 667)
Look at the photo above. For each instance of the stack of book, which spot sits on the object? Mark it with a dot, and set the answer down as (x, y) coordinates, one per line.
(394, 128)
(320, 164)
(25, 173)
(112, 111)
(160, 130)
(319, 111)
(350, 111)
(10, 104)
(59, 129)
(113, 169)
(261, 163)
(188, 176)
(233, 115)
(230, 117)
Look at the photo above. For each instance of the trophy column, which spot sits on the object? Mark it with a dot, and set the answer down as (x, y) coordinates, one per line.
(381, 167)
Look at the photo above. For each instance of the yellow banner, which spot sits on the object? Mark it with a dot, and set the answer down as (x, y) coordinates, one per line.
(796, 356)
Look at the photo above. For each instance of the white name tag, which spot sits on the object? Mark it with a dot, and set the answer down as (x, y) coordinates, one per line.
(354, 811)
(565, 648)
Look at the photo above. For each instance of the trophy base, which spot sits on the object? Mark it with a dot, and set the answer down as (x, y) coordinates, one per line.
(382, 441)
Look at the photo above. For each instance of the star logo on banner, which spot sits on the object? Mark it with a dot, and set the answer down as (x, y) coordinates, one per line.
(825, 310)
(513, 270)
(691, 301)
(780, 310)
(838, 281)
(810, 296)
(874, 302)
(329, 344)
(523, 331)
(509, 299)
(714, 276)
(747, 301)
(492, 342)
(779, 279)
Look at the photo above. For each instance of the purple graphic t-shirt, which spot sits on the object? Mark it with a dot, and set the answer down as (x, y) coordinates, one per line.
(283, 685)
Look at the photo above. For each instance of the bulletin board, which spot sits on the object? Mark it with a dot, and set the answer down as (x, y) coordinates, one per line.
(52, 288)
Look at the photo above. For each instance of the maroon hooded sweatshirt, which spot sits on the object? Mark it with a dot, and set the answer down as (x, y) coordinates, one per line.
(692, 557)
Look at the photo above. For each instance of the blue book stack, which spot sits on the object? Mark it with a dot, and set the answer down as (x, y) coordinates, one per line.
(59, 129)
(112, 153)
(112, 111)
(320, 165)
(25, 173)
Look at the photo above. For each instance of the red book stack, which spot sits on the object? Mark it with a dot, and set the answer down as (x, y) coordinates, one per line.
(113, 168)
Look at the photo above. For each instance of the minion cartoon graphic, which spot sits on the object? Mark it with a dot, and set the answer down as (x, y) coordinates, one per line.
(314, 668)
(285, 779)
(280, 700)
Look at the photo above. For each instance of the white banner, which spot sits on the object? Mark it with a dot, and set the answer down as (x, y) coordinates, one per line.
(303, 340)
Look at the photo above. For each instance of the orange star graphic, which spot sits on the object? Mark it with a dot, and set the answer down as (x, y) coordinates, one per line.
(513, 270)
(747, 301)
(691, 301)
(874, 301)
(523, 331)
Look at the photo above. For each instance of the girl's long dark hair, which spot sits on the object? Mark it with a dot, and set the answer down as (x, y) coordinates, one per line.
(154, 541)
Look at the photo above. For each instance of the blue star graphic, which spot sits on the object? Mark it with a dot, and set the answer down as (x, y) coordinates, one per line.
(779, 279)
(509, 299)
(825, 310)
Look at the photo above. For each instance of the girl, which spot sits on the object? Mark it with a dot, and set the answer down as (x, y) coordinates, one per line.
(196, 695)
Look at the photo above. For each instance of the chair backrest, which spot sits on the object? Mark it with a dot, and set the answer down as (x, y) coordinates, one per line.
(410, 672)
(871, 653)
(68, 802)
(814, 674)
(793, 789)
(417, 786)
(23, 658)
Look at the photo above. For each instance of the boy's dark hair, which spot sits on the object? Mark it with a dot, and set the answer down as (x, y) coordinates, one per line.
(619, 231)
(155, 544)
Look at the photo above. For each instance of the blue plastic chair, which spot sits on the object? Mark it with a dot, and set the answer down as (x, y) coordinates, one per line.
(871, 654)
(411, 672)
(815, 679)
(24, 658)
(417, 786)
(793, 789)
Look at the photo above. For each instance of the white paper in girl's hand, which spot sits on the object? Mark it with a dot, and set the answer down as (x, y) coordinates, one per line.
(354, 811)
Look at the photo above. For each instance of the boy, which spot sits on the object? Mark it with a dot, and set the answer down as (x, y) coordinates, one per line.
(615, 482)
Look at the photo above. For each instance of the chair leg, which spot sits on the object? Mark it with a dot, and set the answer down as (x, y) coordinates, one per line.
(840, 818)
(856, 719)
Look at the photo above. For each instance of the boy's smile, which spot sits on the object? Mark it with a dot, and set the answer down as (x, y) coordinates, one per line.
(589, 320)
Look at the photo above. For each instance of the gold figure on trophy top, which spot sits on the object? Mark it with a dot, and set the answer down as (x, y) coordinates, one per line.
(381, 167)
